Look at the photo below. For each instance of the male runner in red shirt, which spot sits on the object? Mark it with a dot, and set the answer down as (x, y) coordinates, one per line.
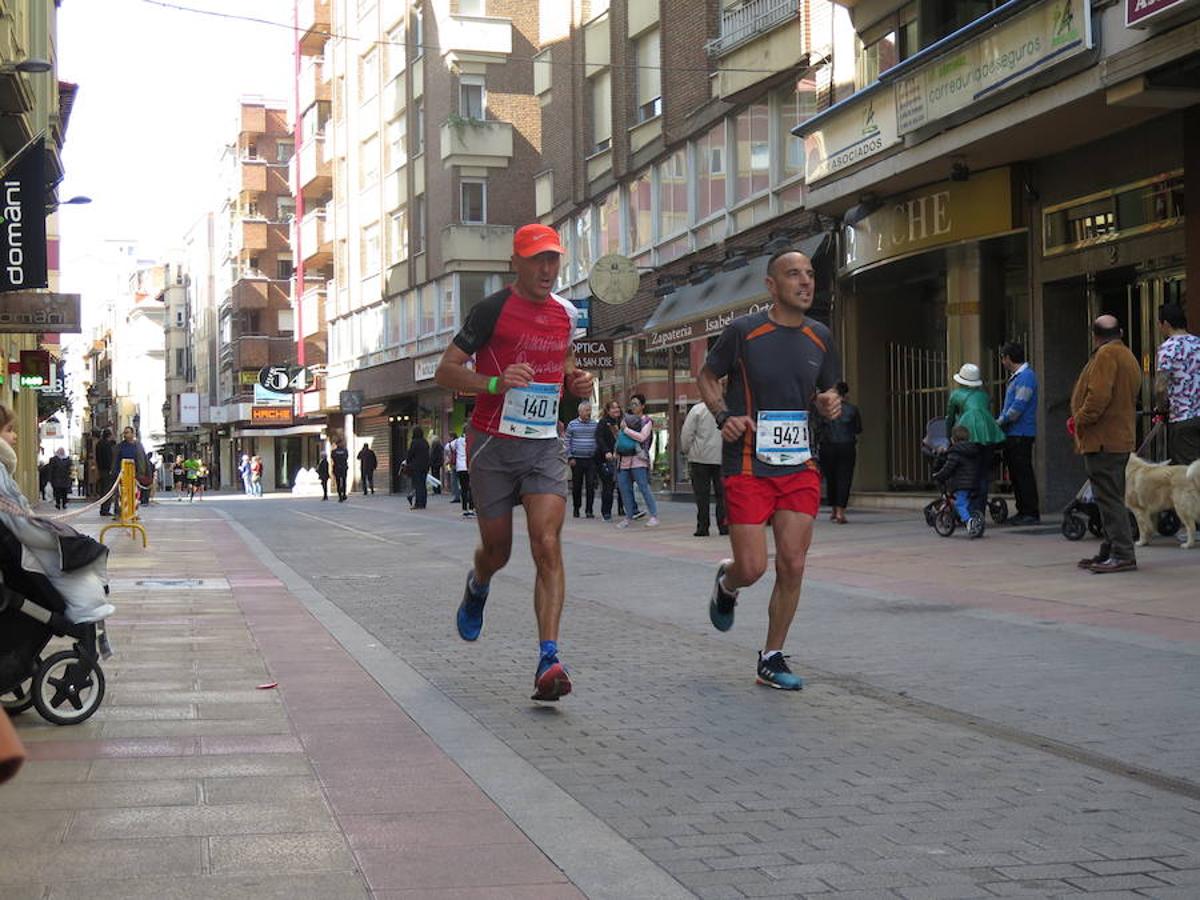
(521, 339)
(781, 370)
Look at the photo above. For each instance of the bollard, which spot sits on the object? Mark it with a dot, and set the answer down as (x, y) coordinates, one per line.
(127, 516)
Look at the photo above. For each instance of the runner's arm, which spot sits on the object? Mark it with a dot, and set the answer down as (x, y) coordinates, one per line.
(452, 373)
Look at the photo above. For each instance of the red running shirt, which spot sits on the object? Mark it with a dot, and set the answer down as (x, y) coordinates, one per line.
(505, 328)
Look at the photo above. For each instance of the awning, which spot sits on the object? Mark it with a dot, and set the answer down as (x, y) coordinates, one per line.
(289, 431)
(697, 310)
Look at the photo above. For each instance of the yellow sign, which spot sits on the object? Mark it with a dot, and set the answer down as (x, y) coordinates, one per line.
(248, 376)
(275, 415)
(932, 216)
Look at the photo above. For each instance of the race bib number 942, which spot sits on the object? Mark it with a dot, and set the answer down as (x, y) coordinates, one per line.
(782, 438)
(531, 412)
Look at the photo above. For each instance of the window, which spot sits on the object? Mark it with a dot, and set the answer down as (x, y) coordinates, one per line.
(874, 58)
(640, 213)
(397, 53)
(648, 76)
(362, 7)
(896, 38)
(418, 33)
(368, 161)
(368, 74)
(419, 136)
(412, 302)
(471, 97)
(397, 237)
(179, 318)
(287, 321)
(753, 151)
(601, 112)
(448, 318)
(283, 269)
(284, 150)
(429, 309)
(673, 194)
(610, 224)
(418, 213)
(370, 249)
(180, 362)
(796, 105)
(285, 209)
(598, 7)
(710, 173)
(397, 143)
(473, 197)
(583, 245)
(471, 8)
(542, 72)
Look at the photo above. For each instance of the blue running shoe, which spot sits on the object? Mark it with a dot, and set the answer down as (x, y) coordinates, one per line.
(551, 681)
(470, 613)
(774, 672)
(721, 604)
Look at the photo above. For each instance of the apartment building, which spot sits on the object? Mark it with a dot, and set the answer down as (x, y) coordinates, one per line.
(433, 139)
(252, 292)
(1005, 171)
(181, 411)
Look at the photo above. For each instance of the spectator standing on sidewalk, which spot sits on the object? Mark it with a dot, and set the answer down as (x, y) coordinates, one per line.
(416, 464)
(1103, 415)
(839, 453)
(256, 474)
(341, 468)
(460, 463)
(633, 461)
(247, 475)
(60, 477)
(367, 462)
(104, 469)
(701, 440)
(581, 457)
(323, 476)
(1177, 384)
(606, 459)
(437, 462)
(131, 448)
(1018, 421)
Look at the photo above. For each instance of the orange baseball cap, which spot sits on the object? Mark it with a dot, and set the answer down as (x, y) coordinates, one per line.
(530, 240)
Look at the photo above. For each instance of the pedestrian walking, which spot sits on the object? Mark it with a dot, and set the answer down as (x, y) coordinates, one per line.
(323, 476)
(367, 461)
(633, 461)
(581, 457)
(1018, 421)
(416, 464)
(437, 462)
(970, 407)
(521, 338)
(700, 440)
(782, 371)
(61, 473)
(839, 452)
(247, 475)
(1177, 383)
(1103, 423)
(256, 475)
(341, 468)
(104, 469)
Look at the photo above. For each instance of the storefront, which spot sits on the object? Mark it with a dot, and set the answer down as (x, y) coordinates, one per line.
(928, 280)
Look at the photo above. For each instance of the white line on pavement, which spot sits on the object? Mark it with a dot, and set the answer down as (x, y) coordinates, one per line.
(359, 531)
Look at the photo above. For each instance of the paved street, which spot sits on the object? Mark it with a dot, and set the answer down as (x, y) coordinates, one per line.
(980, 719)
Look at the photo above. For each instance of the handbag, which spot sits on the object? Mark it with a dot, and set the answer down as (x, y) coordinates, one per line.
(626, 446)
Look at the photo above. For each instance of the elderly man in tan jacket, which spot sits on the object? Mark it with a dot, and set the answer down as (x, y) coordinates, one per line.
(701, 440)
(1103, 409)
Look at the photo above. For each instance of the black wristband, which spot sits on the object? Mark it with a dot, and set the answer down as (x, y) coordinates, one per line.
(722, 417)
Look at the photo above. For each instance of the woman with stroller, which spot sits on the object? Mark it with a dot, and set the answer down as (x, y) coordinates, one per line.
(970, 407)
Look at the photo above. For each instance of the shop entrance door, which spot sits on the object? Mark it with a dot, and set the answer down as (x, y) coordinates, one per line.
(399, 439)
(287, 462)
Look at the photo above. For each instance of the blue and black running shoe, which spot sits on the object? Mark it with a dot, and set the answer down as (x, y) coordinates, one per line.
(470, 613)
(721, 603)
(773, 672)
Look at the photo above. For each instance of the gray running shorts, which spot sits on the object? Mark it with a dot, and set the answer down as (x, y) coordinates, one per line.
(503, 470)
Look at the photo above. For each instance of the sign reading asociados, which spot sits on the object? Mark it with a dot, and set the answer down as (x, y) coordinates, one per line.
(863, 127)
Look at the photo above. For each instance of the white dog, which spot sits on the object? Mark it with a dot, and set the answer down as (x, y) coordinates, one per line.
(1154, 487)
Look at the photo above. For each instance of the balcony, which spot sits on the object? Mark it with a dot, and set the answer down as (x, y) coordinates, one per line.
(313, 86)
(312, 317)
(310, 169)
(259, 235)
(476, 248)
(315, 243)
(315, 23)
(758, 38)
(254, 120)
(474, 143)
(479, 39)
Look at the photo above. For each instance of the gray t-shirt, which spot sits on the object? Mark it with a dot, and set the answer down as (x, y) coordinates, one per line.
(771, 367)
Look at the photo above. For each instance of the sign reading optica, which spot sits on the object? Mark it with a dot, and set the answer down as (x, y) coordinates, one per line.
(591, 355)
(1009, 53)
(1139, 12)
(864, 128)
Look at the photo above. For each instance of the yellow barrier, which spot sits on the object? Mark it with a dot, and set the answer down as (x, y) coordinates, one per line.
(127, 505)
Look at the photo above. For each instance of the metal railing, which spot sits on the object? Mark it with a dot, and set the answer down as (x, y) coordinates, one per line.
(745, 22)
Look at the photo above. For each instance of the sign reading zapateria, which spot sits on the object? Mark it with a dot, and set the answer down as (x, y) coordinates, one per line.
(23, 224)
(25, 312)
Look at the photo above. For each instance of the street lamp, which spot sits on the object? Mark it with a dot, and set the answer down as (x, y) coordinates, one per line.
(79, 200)
(32, 66)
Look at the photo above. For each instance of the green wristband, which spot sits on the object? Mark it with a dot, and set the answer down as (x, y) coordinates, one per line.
(493, 384)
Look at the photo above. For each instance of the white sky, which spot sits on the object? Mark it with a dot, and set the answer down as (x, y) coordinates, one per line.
(158, 98)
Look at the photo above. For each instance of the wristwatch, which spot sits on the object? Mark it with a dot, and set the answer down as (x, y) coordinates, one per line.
(722, 417)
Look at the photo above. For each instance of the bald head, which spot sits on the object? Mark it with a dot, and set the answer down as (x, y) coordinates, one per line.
(1106, 327)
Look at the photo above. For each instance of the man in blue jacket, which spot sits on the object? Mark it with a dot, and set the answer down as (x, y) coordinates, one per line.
(1018, 420)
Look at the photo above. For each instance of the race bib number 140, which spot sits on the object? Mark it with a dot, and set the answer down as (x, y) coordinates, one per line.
(531, 412)
(783, 438)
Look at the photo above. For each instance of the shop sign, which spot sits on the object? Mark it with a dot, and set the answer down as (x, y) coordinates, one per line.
(861, 130)
(1011, 52)
(248, 376)
(702, 328)
(23, 220)
(264, 397)
(189, 408)
(592, 355)
(28, 312)
(943, 213)
(1139, 12)
(425, 367)
(270, 415)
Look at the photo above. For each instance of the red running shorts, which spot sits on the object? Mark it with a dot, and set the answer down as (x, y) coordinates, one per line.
(752, 500)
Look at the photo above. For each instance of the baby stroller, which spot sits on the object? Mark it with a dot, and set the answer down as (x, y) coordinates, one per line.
(67, 686)
(937, 441)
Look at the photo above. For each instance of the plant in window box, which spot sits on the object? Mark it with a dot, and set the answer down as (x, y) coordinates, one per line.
(458, 123)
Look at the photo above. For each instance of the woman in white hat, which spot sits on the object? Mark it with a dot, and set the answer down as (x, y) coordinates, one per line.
(970, 407)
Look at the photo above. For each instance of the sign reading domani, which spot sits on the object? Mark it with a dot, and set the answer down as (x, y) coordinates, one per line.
(27, 312)
(1012, 51)
(23, 220)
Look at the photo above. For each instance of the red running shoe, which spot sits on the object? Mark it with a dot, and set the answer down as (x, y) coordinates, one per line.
(551, 682)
